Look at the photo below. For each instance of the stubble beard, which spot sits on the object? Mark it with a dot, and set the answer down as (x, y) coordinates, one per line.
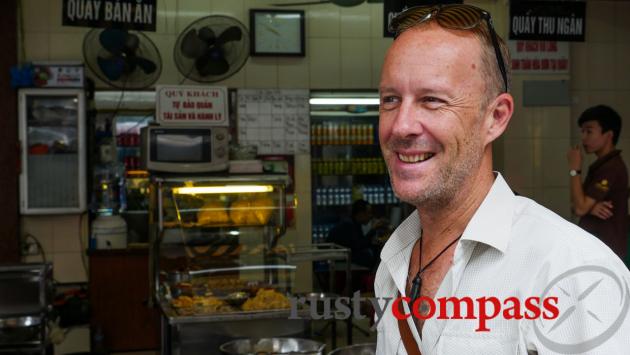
(449, 180)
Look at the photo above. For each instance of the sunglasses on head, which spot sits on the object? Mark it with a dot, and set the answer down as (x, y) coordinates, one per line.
(454, 16)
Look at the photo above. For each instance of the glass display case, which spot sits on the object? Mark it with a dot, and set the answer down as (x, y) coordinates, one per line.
(346, 160)
(52, 138)
(217, 259)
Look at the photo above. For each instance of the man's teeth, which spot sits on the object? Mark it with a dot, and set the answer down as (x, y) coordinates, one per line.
(415, 158)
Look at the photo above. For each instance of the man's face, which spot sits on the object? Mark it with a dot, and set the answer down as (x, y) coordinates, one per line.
(431, 118)
(593, 139)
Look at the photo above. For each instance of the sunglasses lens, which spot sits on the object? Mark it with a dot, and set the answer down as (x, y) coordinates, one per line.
(409, 18)
(459, 17)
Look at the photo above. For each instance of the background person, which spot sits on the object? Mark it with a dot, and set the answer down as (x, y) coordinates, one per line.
(601, 201)
(359, 234)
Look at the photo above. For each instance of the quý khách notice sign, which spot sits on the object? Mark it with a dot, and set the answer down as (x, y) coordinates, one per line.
(191, 105)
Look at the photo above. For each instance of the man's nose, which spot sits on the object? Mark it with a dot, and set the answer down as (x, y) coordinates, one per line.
(407, 122)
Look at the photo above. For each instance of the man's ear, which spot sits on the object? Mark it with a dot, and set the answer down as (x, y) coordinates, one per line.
(501, 112)
(610, 135)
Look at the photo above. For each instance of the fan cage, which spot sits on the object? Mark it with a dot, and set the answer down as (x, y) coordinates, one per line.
(235, 52)
(137, 79)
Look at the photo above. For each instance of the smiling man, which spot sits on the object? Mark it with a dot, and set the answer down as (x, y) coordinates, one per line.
(444, 99)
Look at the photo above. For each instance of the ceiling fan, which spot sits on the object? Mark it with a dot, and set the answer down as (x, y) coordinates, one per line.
(343, 3)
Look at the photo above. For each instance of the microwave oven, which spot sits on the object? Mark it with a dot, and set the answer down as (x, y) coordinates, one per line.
(184, 149)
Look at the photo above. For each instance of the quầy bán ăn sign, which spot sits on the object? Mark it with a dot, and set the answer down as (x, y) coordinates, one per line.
(126, 14)
(548, 20)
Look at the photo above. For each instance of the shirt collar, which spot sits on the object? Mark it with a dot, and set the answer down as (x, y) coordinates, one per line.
(491, 224)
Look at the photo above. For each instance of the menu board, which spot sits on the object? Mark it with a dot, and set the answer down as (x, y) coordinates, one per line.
(275, 121)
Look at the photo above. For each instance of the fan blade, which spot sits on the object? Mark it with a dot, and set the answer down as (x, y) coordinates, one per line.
(113, 68)
(212, 63)
(207, 35)
(113, 40)
(147, 66)
(233, 33)
(303, 3)
(192, 46)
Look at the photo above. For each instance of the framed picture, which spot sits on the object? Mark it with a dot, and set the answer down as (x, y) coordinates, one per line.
(276, 32)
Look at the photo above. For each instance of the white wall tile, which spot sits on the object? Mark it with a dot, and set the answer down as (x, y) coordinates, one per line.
(325, 68)
(522, 123)
(537, 169)
(166, 17)
(355, 21)
(376, 20)
(555, 122)
(293, 73)
(600, 23)
(69, 232)
(379, 49)
(37, 15)
(622, 65)
(622, 23)
(232, 8)
(189, 11)
(601, 75)
(519, 162)
(323, 21)
(165, 44)
(261, 73)
(36, 46)
(66, 46)
(68, 267)
(579, 64)
(554, 163)
(356, 66)
(622, 106)
(235, 81)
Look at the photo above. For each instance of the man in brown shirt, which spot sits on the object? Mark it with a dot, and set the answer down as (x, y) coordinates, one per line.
(602, 201)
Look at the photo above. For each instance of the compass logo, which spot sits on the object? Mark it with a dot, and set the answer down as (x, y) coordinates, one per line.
(579, 292)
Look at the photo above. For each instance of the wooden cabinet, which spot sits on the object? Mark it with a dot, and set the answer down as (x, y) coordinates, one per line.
(119, 290)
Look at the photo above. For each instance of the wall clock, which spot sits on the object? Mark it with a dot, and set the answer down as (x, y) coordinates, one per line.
(276, 32)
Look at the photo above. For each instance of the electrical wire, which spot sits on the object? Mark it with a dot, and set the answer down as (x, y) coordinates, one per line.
(82, 244)
(39, 245)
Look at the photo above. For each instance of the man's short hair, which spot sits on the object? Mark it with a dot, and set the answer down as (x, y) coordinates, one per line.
(607, 118)
(359, 206)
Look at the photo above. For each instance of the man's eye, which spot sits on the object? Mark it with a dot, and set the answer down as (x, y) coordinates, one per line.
(389, 101)
(431, 99)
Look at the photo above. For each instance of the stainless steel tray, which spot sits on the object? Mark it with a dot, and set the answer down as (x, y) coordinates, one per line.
(174, 318)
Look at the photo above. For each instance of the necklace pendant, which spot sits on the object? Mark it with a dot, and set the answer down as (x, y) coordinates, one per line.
(416, 286)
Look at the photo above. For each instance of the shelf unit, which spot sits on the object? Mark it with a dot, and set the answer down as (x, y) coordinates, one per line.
(346, 161)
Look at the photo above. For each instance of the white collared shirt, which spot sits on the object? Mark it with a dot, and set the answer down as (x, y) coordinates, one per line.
(513, 247)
